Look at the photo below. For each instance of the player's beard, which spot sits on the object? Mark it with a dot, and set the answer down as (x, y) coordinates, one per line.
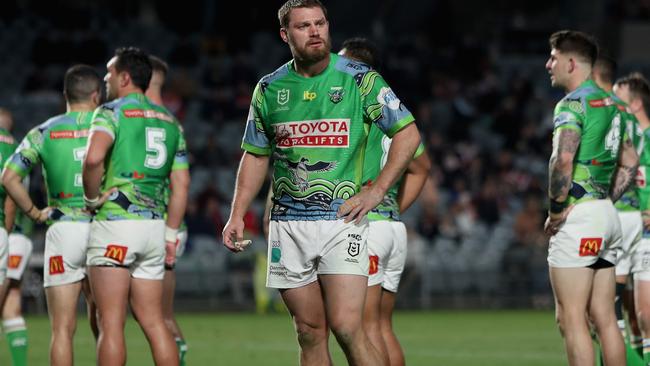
(310, 55)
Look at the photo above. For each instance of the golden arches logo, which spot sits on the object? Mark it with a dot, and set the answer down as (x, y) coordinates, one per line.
(590, 246)
(14, 261)
(56, 265)
(116, 252)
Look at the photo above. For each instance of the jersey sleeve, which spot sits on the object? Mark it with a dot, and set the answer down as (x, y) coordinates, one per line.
(180, 158)
(569, 114)
(27, 154)
(381, 106)
(256, 140)
(104, 120)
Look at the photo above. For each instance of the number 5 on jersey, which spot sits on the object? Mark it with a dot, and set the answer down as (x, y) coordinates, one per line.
(155, 146)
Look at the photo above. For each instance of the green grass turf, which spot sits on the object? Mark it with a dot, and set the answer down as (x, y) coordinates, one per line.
(449, 338)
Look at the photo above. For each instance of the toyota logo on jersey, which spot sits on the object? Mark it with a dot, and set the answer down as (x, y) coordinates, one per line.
(316, 133)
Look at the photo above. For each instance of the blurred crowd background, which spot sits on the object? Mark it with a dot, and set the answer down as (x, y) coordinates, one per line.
(472, 72)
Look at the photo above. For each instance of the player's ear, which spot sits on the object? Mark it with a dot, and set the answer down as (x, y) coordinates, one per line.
(572, 64)
(124, 79)
(283, 35)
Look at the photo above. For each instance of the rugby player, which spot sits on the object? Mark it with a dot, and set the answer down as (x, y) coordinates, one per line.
(312, 114)
(386, 233)
(635, 91)
(59, 144)
(589, 153)
(134, 148)
(154, 93)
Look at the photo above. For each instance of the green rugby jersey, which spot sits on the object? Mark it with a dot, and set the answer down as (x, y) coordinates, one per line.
(148, 144)
(592, 112)
(7, 147)
(629, 201)
(642, 175)
(316, 128)
(375, 159)
(59, 145)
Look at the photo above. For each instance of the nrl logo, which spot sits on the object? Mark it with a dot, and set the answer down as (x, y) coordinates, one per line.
(283, 96)
(336, 94)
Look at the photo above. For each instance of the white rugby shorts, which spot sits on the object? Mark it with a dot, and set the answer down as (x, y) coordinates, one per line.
(299, 251)
(631, 230)
(138, 245)
(387, 253)
(20, 250)
(66, 244)
(591, 231)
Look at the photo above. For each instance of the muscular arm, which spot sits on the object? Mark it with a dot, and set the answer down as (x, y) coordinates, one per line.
(250, 177)
(416, 175)
(628, 163)
(402, 148)
(180, 185)
(560, 166)
(18, 196)
(99, 143)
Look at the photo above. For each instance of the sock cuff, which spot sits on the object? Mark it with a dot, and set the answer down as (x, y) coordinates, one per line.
(646, 345)
(14, 324)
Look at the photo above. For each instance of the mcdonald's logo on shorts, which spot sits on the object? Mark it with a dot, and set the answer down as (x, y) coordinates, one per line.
(590, 247)
(116, 252)
(56, 265)
(14, 261)
(374, 264)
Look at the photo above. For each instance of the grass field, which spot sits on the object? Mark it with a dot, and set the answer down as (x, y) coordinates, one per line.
(485, 338)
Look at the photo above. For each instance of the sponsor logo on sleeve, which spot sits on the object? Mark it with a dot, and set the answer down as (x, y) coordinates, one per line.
(388, 98)
(325, 133)
(590, 247)
(116, 252)
(56, 265)
(147, 113)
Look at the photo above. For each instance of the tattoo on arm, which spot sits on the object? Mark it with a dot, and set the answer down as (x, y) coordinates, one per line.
(565, 145)
(625, 173)
(625, 176)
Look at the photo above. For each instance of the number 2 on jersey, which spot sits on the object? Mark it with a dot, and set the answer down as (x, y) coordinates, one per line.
(156, 149)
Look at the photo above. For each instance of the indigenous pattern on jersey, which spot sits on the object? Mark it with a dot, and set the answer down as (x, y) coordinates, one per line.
(629, 201)
(316, 130)
(592, 112)
(148, 144)
(59, 145)
(7, 147)
(376, 156)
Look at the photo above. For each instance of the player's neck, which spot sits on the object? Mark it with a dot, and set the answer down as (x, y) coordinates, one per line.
(128, 90)
(575, 82)
(80, 107)
(311, 69)
(155, 98)
(642, 117)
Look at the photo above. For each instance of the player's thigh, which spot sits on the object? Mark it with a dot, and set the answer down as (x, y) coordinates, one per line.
(20, 250)
(572, 288)
(293, 253)
(66, 244)
(591, 231)
(306, 306)
(380, 243)
(146, 300)
(603, 293)
(397, 259)
(344, 299)
(642, 301)
(62, 303)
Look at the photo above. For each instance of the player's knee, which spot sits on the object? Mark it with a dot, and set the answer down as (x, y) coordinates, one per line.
(309, 335)
(345, 333)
